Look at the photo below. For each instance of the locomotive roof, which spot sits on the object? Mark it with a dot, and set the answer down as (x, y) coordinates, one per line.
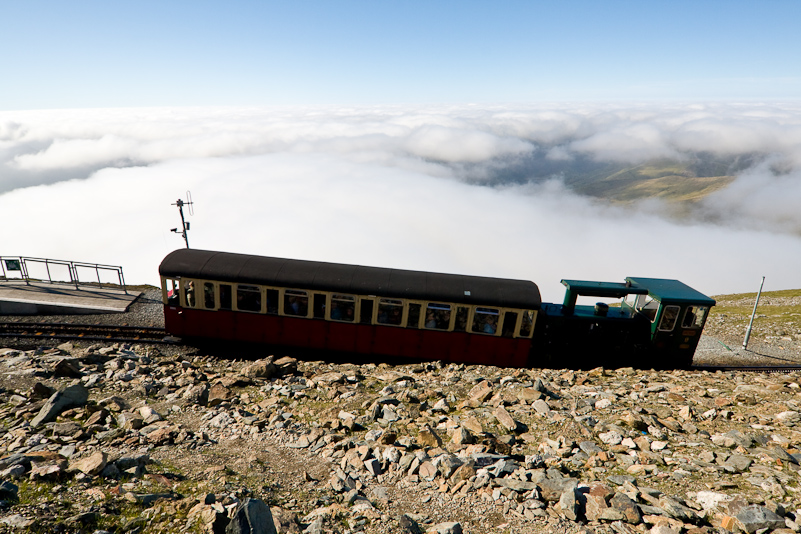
(672, 291)
(354, 279)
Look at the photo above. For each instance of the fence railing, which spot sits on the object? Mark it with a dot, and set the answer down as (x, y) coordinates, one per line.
(19, 268)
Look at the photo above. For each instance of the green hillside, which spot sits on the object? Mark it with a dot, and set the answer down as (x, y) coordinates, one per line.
(668, 180)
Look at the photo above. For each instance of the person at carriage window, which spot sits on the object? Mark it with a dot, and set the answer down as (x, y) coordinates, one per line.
(443, 319)
(336, 311)
(431, 320)
(395, 316)
(489, 326)
(190, 294)
(294, 306)
(208, 295)
(172, 295)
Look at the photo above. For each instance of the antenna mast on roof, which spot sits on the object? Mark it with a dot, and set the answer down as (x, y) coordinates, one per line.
(184, 225)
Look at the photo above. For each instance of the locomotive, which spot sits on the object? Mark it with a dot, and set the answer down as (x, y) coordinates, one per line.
(318, 306)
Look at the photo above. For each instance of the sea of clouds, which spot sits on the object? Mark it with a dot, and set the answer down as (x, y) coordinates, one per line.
(468, 189)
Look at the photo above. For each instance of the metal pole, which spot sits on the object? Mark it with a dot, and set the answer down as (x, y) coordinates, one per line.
(753, 314)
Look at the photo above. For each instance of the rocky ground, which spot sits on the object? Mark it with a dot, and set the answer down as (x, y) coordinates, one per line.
(109, 438)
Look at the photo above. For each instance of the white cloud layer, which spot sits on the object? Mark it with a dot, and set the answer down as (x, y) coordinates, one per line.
(398, 187)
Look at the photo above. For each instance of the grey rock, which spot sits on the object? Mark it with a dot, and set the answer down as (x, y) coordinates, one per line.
(17, 521)
(448, 464)
(409, 525)
(75, 395)
(738, 462)
(516, 485)
(447, 528)
(541, 406)
(568, 504)
(676, 510)
(252, 516)
(552, 489)
(619, 480)
(630, 509)
(590, 447)
(755, 517)
(502, 467)
(8, 491)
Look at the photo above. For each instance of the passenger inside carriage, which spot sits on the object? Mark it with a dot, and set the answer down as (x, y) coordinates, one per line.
(443, 319)
(431, 321)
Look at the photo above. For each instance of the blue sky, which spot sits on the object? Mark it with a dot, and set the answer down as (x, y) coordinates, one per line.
(180, 53)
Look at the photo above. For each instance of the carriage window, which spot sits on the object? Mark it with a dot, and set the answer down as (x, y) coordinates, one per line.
(485, 321)
(225, 297)
(208, 296)
(438, 316)
(526, 323)
(272, 301)
(669, 317)
(413, 321)
(171, 285)
(694, 317)
(343, 308)
(319, 306)
(462, 314)
(296, 303)
(509, 322)
(366, 311)
(390, 311)
(189, 293)
(248, 298)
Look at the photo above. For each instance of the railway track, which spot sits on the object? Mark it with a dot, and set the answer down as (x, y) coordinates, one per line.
(748, 368)
(140, 334)
(87, 332)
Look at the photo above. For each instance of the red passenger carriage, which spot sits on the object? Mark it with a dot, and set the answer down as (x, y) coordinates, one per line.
(349, 308)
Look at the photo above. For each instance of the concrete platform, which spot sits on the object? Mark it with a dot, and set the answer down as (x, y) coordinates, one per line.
(43, 298)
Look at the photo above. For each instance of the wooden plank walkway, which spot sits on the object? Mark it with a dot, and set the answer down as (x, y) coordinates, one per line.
(39, 298)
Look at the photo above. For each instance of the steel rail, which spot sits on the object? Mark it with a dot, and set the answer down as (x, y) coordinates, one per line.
(89, 332)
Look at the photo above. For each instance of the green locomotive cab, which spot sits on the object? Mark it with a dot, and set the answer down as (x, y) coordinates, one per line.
(657, 324)
(677, 314)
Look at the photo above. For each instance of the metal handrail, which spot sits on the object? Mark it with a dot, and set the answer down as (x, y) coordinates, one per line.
(20, 263)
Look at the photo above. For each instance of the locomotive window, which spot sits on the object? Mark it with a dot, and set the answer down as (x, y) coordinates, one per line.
(462, 314)
(189, 293)
(645, 304)
(390, 311)
(208, 296)
(669, 317)
(413, 321)
(343, 308)
(694, 317)
(366, 311)
(509, 323)
(296, 303)
(248, 298)
(485, 321)
(272, 301)
(526, 323)
(225, 297)
(438, 316)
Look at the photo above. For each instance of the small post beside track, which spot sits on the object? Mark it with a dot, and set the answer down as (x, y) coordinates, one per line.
(753, 314)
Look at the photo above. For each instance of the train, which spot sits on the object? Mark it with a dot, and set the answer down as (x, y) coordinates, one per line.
(310, 306)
